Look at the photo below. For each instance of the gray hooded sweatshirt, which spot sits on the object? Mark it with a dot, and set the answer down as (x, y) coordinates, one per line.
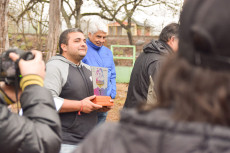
(66, 80)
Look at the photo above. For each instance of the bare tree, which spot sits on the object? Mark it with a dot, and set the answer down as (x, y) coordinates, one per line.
(29, 12)
(74, 11)
(71, 9)
(3, 25)
(39, 22)
(28, 17)
(54, 27)
(27, 7)
(121, 11)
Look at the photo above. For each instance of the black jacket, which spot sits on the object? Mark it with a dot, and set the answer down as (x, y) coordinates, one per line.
(37, 131)
(148, 63)
(156, 132)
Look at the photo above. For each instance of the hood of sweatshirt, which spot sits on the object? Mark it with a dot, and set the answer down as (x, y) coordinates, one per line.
(62, 58)
(158, 47)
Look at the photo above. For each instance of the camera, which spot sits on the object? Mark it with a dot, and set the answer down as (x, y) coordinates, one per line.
(9, 70)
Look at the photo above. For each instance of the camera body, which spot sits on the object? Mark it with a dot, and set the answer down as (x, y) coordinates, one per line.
(9, 70)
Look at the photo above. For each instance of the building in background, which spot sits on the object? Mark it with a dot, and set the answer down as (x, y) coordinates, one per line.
(138, 29)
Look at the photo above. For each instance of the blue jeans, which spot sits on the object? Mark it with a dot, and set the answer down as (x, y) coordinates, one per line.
(101, 116)
(67, 148)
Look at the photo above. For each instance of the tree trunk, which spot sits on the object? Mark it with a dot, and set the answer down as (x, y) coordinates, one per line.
(3, 25)
(78, 4)
(129, 30)
(130, 36)
(54, 28)
(65, 16)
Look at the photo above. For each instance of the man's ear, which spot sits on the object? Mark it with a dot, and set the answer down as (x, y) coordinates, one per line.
(172, 38)
(171, 41)
(63, 46)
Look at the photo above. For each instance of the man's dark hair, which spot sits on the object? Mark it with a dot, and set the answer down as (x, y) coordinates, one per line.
(63, 39)
(169, 31)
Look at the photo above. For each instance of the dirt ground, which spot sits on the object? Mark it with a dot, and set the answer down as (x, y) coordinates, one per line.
(114, 114)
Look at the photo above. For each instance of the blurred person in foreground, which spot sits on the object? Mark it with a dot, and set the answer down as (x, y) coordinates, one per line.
(38, 130)
(142, 88)
(193, 113)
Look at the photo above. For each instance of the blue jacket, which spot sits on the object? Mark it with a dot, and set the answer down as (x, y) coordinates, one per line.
(102, 57)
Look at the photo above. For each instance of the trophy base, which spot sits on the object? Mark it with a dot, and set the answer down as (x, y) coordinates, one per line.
(103, 100)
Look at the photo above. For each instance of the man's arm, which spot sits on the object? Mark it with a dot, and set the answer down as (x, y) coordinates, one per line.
(84, 105)
(38, 130)
(153, 69)
(54, 81)
(153, 72)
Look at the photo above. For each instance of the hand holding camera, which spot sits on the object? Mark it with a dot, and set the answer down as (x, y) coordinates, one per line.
(15, 63)
(33, 66)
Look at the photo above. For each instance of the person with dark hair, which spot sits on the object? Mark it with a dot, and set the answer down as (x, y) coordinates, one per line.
(70, 82)
(143, 77)
(39, 129)
(193, 113)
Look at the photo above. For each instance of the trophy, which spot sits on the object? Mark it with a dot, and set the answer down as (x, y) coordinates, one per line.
(100, 84)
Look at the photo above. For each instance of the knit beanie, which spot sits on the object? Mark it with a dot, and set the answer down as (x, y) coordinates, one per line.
(205, 33)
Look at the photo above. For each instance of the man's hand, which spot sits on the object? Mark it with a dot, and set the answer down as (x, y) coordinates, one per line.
(89, 106)
(106, 108)
(34, 66)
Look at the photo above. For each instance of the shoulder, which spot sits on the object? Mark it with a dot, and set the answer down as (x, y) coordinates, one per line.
(57, 61)
(107, 50)
(57, 66)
